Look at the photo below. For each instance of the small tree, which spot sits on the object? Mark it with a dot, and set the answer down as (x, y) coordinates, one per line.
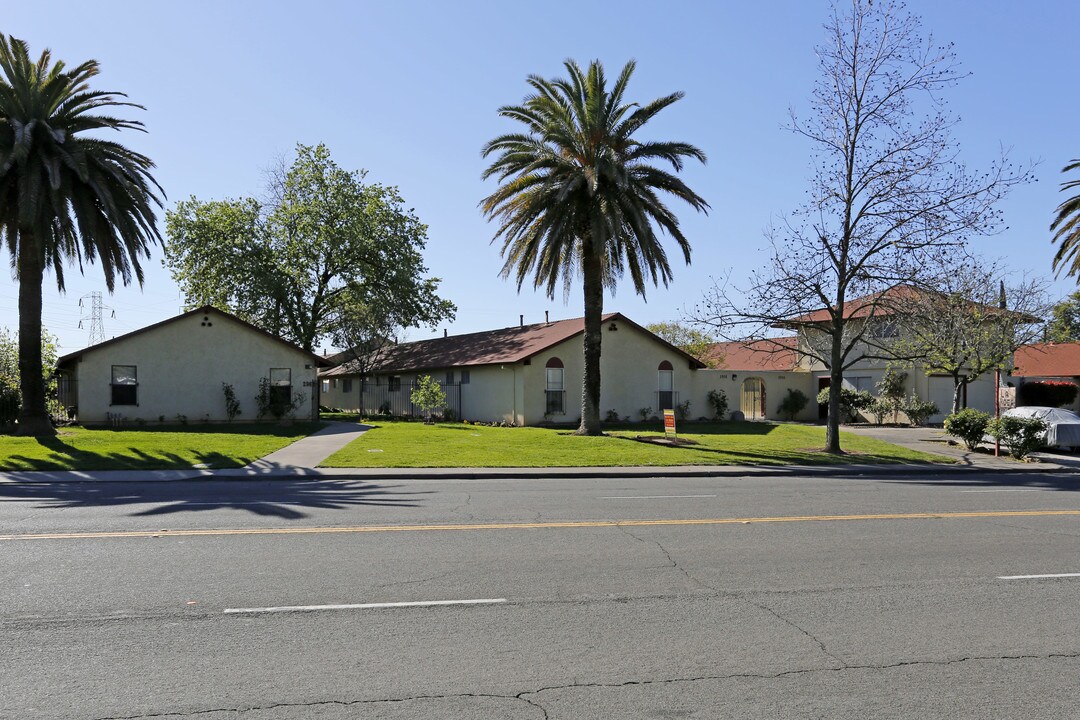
(428, 396)
(851, 402)
(918, 410)
(232, 405)
(969, 425)
(891, 391)
(793, 403)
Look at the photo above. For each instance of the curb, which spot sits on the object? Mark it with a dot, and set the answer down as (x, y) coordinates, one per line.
(584, 473)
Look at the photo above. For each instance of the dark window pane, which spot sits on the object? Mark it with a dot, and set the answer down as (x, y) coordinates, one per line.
(125, 394)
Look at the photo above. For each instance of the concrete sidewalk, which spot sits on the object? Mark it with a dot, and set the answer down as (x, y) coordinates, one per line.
(306, 453)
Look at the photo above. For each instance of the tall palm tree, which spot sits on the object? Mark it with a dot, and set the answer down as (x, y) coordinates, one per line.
(578, 194)
(1067, 225)
(66, 194)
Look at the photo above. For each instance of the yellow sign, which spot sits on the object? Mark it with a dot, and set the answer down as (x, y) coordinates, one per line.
(669, 422)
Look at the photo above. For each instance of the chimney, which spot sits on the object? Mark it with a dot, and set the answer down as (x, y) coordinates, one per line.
(521, 320)
(546, 320)
(444, 332)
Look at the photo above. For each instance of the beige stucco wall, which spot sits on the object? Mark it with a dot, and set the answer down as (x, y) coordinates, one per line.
(181, 367)
(732, 383)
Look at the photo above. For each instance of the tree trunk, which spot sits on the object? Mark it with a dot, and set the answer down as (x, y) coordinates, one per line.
(836, 382)
(33, 416)
(958, 386)
(594, 310)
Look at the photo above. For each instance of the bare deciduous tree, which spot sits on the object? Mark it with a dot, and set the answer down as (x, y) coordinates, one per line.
(888, 194)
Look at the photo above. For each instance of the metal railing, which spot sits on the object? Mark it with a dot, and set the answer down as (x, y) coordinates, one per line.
(666, 399)
(555, 402)
(382, 400)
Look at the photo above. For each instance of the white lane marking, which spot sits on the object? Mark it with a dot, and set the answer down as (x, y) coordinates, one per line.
(1006, 490)
(1037, 577)
(649, 497)
(362, 606)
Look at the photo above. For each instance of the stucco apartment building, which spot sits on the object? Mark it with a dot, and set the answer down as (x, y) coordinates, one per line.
(175, 369)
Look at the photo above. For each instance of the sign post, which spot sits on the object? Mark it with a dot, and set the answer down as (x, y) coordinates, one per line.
(669, 423)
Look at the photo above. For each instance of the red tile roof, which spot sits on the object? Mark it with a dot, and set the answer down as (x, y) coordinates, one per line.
(777, 355)
(883, 304)
(1047, 360)
(491, 347)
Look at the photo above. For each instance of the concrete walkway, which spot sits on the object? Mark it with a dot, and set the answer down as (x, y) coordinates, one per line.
(308, 452)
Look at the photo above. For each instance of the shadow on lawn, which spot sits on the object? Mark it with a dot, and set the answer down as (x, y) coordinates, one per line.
(65, 455)
(277, 498)
(780, 457)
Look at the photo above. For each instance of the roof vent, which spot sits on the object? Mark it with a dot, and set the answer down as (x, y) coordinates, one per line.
(444, 332)
(546, 320)
(521, 320)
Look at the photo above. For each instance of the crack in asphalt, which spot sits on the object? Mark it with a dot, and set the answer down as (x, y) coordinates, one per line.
(521, 696)
(672, 563)
(804, 631)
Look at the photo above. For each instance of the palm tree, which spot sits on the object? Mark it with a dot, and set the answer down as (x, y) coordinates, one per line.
(1067, 224)
(65, 196)
(578, 194)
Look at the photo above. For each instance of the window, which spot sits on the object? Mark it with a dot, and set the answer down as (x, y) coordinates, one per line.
(394, 383)
(554, 390)
(125, 385)
(346, 385)
(281, 386)
(449, 377)
(326, 386)
(464, 377)
(884, 329)
(665, 386)
(862, 383)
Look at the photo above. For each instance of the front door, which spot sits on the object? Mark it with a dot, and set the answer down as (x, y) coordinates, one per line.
(753, 399)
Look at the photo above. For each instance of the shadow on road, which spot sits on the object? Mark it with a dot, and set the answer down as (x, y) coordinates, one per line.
(998, 480)
(278, 498)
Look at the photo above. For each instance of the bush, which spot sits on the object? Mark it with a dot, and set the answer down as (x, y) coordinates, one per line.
(891, 394)
(682, 411)
(918, 410)
(851, 402)
(719, 403)
(1020, 435)
(10, 403)
(969, 425)
(270, 401)
(611, 416)
(644, 412)
(1048, 393)
(880, 409)
(793, 403)
(232, 405)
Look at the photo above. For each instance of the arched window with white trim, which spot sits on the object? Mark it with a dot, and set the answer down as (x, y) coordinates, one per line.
(665, 386)
(554, 387)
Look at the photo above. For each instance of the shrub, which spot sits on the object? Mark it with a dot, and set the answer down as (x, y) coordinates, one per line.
(273, 403)
(1021, 435)
(1048, 393)
(719, 403)
(969, 425)
(793, 403)
(880, 409)
(644, 412)
(611, 416)
(682, 411)
(10, 403)
(851, 402)
(891, 392)
(918, 410)
(232, 405)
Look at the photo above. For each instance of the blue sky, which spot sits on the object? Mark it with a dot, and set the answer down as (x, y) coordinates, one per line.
(409, 91)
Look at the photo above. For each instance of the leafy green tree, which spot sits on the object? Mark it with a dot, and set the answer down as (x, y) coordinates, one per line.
(1066, 226)
(67, 194)
(428, 395)
(1064, 323)
(690, 340)
(324, 246)
(579, 194)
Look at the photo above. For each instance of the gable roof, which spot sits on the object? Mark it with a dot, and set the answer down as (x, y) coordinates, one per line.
(889, 302)
(1047, 360)
(775, 355)
(490, 347)
(205, 309)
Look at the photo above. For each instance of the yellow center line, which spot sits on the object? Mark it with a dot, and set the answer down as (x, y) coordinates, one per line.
(533, 525)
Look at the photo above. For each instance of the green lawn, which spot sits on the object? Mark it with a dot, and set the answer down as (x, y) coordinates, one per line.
(456, 445)
(214, 446)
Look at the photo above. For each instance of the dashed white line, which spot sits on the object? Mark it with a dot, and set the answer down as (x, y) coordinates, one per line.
(361, 606)
(650, 497)
(1037, 577)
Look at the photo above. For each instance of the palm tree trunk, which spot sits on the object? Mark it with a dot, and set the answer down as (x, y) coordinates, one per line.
(33, 416)
(594, 311)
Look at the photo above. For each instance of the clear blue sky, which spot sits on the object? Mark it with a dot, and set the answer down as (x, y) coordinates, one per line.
(409, 91)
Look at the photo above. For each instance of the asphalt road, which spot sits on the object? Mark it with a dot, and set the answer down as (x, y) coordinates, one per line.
(758, 597)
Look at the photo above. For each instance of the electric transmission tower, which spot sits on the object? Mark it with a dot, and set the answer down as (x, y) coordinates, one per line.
(97, 326)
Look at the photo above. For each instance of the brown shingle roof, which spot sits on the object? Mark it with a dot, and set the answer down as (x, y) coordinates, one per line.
(777, 354)
(1047, 360)
(883, 304)
(490, 347)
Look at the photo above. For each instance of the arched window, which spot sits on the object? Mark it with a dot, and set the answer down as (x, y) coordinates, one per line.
(554, 388)
(665, 386)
